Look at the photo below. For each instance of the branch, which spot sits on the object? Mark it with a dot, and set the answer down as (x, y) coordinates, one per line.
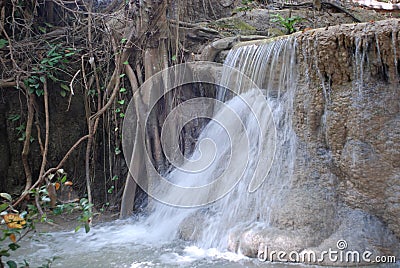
(52, 170)
(47, 131)
(27, 142)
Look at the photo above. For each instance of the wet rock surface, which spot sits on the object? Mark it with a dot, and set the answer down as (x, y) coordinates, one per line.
(347, 122)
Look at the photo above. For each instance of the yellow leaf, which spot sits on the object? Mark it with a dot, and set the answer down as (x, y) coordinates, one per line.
(68, 183)
(14, 221)
(57, 185)
(13, 238)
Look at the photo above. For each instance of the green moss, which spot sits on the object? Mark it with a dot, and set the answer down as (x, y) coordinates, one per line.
(233, 26)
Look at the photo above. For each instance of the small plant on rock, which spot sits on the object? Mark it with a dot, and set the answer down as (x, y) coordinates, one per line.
(288, 23)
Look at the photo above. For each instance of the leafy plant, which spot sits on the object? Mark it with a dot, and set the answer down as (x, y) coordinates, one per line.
(13, 227)
(14, 117)
(288, 23)
(20, 128)
(49, 67)
(16, 225)
(21, 131)
(86, 214)
(111, 189)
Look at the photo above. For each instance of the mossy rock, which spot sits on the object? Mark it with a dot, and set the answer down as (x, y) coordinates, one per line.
(233, 26)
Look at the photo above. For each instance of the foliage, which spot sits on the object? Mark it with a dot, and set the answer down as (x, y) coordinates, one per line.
(3, 43)
(288, 23)
(52, 64)
(13, 227)
(17, 225)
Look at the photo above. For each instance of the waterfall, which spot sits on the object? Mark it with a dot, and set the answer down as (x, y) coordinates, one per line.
(251, 138)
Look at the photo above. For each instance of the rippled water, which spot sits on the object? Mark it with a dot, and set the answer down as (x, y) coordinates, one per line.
(128, 244)
(123, 244)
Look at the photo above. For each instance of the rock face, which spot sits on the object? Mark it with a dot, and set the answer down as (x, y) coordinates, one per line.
(348, 112)
(346, 183)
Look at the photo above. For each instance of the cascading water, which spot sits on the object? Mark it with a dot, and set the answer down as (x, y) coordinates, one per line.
(271, 67)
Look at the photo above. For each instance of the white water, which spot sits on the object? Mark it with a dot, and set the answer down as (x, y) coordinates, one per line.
(240, 209)
(247, 152)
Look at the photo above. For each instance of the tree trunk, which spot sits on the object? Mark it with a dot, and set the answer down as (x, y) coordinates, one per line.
(152, 19)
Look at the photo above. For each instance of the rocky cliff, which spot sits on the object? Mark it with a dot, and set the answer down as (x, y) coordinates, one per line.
(346, 183)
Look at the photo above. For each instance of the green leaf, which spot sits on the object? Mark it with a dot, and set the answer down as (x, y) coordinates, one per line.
(122, 90)
(174, 58)
(65, 87)
(77, 228)
(14, 117)
(69, 54)
(58, 210)
(3, 43)
(6, 196)
(4, 253)
(123, 40)
(42, 29)
(3, 207)
(117, 151)
(121, 75)
(126, 62)
(83, 201)
(63, 179)
(14, 246)
(87, 227)
(63, 93)
(32, 79)
(115, 178)
(55, 59)
(12, 264)
(111, 190)
(42, 79)
(51, 51)
(122, 102)
(53, 78)
(122, 115)
(40, 92)
(118, 110)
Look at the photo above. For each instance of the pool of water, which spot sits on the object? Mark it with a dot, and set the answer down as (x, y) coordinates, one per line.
(126, 244)
(120, 244)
